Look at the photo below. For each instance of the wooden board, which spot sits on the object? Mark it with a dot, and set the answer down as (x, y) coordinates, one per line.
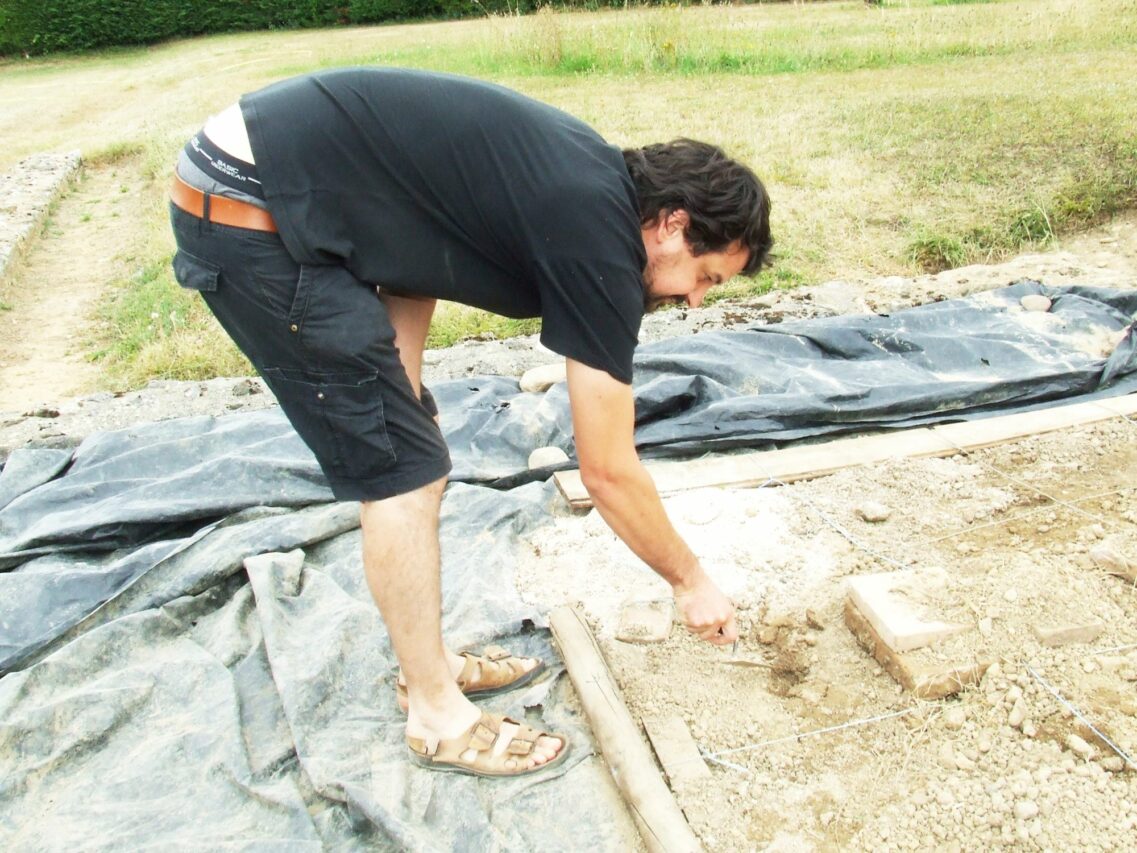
(657, 815)
(676, 750)
(815, 460)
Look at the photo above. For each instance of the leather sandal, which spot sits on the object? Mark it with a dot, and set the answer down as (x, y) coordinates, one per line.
(492, 672)
(479, 752)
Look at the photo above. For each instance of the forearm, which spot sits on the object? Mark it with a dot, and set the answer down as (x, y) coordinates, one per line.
(410, 318)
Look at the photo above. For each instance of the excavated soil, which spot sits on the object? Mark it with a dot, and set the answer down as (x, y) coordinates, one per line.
(1003, 540)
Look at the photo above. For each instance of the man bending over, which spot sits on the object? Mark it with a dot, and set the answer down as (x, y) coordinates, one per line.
(322, 217)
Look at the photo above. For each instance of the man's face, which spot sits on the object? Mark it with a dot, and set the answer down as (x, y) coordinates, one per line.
(674, 274)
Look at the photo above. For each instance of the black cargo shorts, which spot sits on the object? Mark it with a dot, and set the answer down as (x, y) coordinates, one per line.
(324, 344)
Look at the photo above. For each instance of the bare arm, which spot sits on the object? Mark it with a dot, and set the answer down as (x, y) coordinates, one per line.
(603, 420)
(410, 317)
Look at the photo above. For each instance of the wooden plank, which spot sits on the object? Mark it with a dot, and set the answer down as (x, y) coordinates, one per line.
(974, 435)
(815, 460)
(676, 751)
(661, 823)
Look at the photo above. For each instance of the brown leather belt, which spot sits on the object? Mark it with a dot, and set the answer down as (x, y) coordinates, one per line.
(223, 211)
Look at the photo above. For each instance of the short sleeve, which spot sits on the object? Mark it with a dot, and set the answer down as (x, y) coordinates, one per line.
(591, 311)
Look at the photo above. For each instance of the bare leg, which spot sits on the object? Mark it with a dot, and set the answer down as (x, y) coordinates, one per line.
(401, 562)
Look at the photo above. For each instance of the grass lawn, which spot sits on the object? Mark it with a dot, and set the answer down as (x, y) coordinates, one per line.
(894, 139)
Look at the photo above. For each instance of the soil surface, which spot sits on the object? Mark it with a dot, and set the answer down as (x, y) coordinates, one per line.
(1007, 541)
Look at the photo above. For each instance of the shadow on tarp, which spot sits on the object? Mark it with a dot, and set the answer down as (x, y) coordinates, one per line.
(162, 691)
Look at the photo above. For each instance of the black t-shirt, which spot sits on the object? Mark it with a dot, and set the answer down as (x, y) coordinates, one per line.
(449, 187)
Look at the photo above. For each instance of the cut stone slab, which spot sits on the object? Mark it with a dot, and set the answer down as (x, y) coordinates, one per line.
(676, 750)
(1064, 635)
(889, 601)
(645, 622)
(925, 682)
(543, 378)
(1110, 558)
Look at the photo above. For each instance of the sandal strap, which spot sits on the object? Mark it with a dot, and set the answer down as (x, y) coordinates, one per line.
(490, 662)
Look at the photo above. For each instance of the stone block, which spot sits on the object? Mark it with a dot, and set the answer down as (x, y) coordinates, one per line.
(890, 602)
(1064, 635)
(925, 682)
(645, 621)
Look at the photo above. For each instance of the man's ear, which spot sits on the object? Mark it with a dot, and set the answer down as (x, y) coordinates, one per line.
(673, 222)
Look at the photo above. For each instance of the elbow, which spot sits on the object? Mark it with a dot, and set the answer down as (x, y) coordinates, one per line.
(603, 483)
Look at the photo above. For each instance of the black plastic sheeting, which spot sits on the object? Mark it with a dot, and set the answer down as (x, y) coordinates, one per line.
(769, 385)
(163, 685)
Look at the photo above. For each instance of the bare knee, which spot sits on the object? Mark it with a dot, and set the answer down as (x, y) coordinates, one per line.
(423, 498)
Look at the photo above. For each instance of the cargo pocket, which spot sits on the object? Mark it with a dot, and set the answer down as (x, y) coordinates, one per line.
(194, 273)
(340, 418)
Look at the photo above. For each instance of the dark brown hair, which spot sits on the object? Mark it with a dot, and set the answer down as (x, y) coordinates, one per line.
(724, 199)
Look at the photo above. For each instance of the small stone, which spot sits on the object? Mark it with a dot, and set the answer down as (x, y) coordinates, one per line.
(986, 626)
(813, 622)
(947, 756)
(245, 388)
(1108, 558)
(1029, 728)
(954, 718)
(873, 512)
(1017, 715)
(1079, 747)
(543, 457)
(964, 763)
(984, 744)
(542, 378)
(1011, 594)
(1035, 302)
(42, 412)
(1113, 763)
(1026, 809)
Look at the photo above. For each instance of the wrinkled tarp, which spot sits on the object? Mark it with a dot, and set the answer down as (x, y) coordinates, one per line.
(767, 385)
(166, 686)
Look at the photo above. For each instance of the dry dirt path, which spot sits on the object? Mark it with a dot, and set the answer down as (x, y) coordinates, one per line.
(85, 246)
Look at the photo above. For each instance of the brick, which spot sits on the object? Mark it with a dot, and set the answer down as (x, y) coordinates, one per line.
(676, 750)
(881, 600)
(1064, 635)
(925, 682)
(645, 622)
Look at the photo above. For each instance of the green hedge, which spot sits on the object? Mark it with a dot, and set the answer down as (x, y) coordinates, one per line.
(44, 26)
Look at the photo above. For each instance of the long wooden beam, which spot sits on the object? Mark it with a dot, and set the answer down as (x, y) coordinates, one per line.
(815, 460)
(657, 815)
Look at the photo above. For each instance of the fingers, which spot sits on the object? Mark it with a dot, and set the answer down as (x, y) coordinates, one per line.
(720, 632)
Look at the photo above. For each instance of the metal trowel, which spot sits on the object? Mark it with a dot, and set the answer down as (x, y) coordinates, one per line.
(747, 662)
